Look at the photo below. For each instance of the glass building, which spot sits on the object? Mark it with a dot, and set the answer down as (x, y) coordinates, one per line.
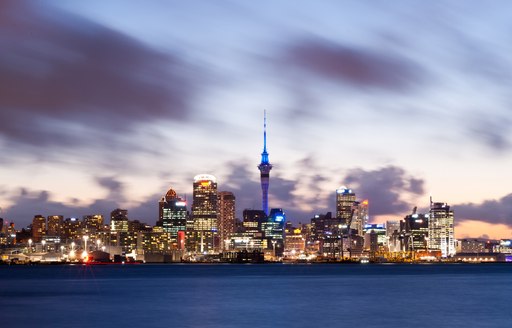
(204, 214)
(440, 229)
(345, 200)
(172, 216)
(226, 218)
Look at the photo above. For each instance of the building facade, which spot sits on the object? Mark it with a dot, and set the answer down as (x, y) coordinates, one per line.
(441, 229)
(345, 200)
(226, 217)
(172, 216)
(204, 213)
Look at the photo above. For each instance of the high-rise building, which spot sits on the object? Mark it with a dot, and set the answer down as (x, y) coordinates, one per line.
(414, 232)
(38, 228)
(93, 223)
(172, 216)
(119, 220)
(441, 229)
(253, 220)
(361, 217)
(54, 225)
(71, 229)
(204, 213)
(226, 218)
(345, 200)
(264, 168)
(326, 234)
(274, 231)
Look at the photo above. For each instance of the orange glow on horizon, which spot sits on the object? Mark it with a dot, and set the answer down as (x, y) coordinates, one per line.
(474, 229)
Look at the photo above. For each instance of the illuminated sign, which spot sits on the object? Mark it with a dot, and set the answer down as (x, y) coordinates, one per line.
(279, 218)
(205, 183)
(181, 204)
(343, 190)
(505, 242)
(418, 221)
(205, 177)
(415, 216)
(374, 226)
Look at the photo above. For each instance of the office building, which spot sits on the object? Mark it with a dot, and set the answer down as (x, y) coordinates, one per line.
(441, 229)
(226, 217)
(414, 232)
(54, 225)
(345, 200)
(172, 216)
(38, 228)
(204, 214)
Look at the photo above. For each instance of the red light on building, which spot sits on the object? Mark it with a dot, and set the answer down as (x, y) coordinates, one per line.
(181, 239)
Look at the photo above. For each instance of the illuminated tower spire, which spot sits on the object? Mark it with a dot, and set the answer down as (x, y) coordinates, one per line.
(264, 168)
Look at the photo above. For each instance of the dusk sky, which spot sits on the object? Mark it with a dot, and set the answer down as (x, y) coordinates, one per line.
(107, 104)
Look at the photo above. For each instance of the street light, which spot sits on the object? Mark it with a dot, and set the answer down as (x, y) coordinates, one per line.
(30, 245)
(86, 238)
(43, 243)
(98, 243)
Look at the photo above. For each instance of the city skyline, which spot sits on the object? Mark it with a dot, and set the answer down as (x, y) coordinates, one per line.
(108, 105)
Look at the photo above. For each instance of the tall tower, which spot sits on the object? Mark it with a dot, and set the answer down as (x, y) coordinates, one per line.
(264, 168)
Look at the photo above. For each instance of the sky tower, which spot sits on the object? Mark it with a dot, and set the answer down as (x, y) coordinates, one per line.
(264, 168)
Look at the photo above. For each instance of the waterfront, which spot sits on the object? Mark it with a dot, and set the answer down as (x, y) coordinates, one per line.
(270, 295)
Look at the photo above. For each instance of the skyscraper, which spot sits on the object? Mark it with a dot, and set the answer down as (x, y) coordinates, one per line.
(172, 215)
(345, 199)
(119, 220)
(440, 229)
(55, 225)
(204, 213)
(226, 216)
(361, 216)
(38, 228)
(264, 168)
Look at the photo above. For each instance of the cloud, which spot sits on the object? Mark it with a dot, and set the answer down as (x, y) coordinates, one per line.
(246, 187)
(27, 203)
(491, 211)
(493, 132)
(384, 188)
(68, 81)
(349, 65)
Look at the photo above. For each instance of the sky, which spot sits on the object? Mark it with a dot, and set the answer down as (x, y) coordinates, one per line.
(107, 104)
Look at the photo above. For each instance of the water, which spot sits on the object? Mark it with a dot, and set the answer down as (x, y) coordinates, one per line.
(256, 296)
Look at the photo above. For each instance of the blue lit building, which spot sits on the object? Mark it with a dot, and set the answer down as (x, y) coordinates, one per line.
(274, 231)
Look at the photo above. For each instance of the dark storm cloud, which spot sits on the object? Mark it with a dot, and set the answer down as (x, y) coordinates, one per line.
(383, 188)
(245, 184)
(491, 211)
(63, 78)
(353, 66)
(28, 203)
(111, 184)
(493, 132)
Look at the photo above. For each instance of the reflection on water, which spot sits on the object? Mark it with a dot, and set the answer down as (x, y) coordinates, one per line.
(256, 295)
